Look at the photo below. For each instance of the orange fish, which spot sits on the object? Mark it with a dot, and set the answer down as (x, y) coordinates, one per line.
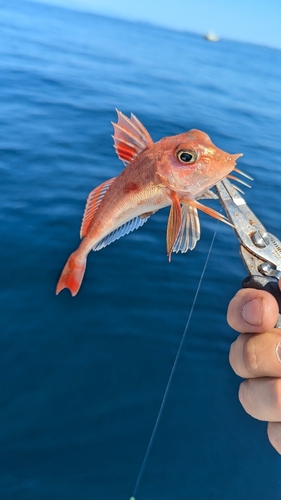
(175, 171)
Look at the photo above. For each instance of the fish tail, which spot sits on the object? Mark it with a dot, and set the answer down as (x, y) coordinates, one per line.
(72, 274)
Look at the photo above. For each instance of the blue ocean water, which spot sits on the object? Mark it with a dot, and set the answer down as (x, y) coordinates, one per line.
(82, 378)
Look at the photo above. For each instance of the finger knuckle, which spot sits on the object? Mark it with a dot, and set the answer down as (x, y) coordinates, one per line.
(250, 356)
(276, 395)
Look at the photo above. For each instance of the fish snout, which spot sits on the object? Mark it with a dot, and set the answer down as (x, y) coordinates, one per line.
(236, 156)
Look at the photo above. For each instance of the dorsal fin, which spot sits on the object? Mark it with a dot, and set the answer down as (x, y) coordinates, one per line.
(130, 137)
(92, 205)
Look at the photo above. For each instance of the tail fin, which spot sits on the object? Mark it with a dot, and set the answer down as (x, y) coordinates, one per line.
(72, 274)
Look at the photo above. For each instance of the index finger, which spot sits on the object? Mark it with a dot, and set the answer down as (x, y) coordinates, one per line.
(257, 355)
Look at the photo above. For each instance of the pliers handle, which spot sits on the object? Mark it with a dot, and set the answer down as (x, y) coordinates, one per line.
(260, 251)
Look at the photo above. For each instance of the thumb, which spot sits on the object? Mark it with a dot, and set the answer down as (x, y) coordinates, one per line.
(252, 311)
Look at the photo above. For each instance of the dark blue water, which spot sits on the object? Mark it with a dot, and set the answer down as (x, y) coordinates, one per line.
(82, 379)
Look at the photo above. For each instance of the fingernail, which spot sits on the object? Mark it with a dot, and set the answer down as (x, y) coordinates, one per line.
(278, 352)
(252, 312)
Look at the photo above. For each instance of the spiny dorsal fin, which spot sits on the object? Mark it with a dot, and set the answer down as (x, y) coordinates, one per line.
(130, 137)
(92, 205)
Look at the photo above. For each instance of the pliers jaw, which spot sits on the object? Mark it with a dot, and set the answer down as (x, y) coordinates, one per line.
(260, 251)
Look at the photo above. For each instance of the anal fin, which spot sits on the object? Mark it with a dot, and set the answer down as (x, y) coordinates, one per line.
(126, 228)
(147, 214)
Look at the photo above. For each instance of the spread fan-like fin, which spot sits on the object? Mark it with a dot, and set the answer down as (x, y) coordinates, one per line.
(189, 232)
(174, 224)
(130, 137)
(92, 205)
(126, 228)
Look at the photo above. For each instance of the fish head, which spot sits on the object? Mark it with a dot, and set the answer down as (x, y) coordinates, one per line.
(190, 163)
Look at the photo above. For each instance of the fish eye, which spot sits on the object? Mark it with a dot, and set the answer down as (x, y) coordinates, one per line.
(186, 156)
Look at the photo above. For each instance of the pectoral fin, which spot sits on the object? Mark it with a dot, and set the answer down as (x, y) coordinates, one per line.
(174, 224)
(189, 232)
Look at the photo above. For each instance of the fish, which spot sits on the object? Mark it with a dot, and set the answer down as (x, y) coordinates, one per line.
(176, 171)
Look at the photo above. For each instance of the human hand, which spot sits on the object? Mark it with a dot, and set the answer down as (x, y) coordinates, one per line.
(256, 356)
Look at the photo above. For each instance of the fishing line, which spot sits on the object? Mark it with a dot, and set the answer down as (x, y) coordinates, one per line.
(173, 370)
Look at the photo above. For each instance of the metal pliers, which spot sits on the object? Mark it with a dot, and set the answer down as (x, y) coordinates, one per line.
(260, 251)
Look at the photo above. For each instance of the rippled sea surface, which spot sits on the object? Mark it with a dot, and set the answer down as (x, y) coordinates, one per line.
(82, 378)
